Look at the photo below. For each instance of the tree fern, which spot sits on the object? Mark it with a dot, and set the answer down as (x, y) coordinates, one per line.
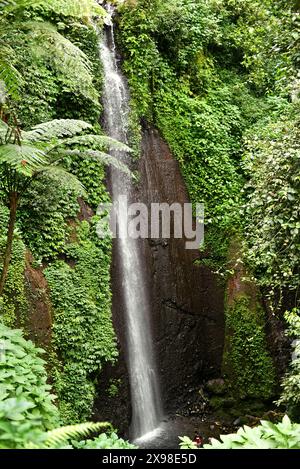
(26, 156)
(64, 178)
(64, 57)
(22, 158)
(55, 129)
(68, 127)
(102, 158)
(48, 44)
(98, 142)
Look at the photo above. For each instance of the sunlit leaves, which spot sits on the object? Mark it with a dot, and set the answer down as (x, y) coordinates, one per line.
(57, 128)
(22, 378)
(283, 435)
(24, 159)
(290, 395)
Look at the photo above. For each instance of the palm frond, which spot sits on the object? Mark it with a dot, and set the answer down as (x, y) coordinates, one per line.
(60, 437)
(102, 158)
(55, 129)
(63, 177)
(98, 142)
(24, 159)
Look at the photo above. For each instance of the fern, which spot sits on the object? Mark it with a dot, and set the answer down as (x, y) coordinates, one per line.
(49, 45)
(11, 78)
(102, 158)
(64, 178)
(22, 158)
(65, 58)
(55, 129)
(33, 154)
(60, 437)
(98, 142)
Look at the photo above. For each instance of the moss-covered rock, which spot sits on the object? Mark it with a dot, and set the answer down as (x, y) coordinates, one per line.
(247, 364)
(13, 303)
(216, 386)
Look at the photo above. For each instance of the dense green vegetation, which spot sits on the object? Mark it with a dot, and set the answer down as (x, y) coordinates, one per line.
(246, 359)
(51, 71)
(220, 80)
(222, 74)
(28, 416)
(290, 393)
(86, 341)
(284, 435)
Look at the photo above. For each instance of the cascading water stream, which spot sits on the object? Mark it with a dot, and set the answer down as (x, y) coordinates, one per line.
(145, 393)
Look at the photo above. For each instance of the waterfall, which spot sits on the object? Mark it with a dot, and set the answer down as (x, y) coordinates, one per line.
(145, 393)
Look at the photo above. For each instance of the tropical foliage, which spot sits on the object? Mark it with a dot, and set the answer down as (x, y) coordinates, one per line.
(220, 81)
(291, 383)
(52, 74)
(28, 415)
(225, 75)
(267, 435)
(26, 156)
(23, 378)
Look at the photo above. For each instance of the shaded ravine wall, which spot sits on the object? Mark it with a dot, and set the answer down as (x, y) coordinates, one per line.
(187, 301)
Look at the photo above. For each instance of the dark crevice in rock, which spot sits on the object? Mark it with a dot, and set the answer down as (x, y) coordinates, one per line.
(180, 309)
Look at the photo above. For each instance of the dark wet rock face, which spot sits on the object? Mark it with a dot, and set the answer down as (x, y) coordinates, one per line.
(113, 397)
(187, 301)
(115, 408)
(39, 319)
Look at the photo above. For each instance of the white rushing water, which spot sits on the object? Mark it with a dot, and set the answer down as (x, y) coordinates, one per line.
(145, 393)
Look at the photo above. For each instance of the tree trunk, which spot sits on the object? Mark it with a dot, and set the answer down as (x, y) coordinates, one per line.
(13, 205)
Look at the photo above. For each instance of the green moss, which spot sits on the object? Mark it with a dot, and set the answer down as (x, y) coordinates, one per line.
(13, 304)
(83, 334)
(248, 366)
(134, 130)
